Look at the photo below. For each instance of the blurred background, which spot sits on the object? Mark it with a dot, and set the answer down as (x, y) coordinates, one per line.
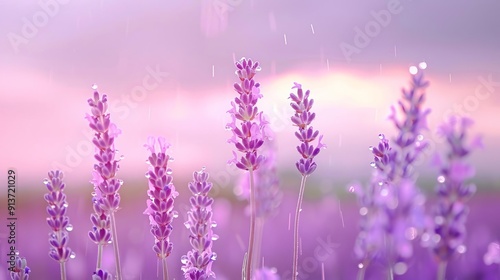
(168, 69)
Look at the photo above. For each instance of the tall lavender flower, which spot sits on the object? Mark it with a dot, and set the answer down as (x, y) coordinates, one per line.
(57, 220)
(249, 129)
(448, 234)
(306, 134)
(106, 198)
(160, 206)
(101, 275)
(197, 264)
(20, 271)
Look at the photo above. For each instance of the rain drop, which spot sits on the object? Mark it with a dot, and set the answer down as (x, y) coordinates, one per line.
(16, 252)
(175, 214)
(360, 265)
(215, 237)
(373, 164)
(258, 68)
(381, 136)
(171, 159)
(93, 194)
(169, 171)
(228, 127)
(422, 65)
(300, 210)
(370, 148)
(214, 224)
(94, 86)
(420, 137)
(351, 189)
(69, 227)
(187, 225)
(45, 182)
(147, 175)
(441, 179)
(413, 70)
(184, 259)
(214, 256)
(121, 182)
(122, 157)
(380, 183)
(65, 205)
(148, 162)
(72, 255)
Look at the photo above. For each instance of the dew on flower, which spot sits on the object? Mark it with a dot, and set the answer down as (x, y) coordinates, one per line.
(373, 164)
(381, 136)
(441, 179)
(420, 137)
(187, 225)
(461, 249)
(363, 211)
(94, 86)
(45, 182)
(214, 256)
(72, 255)
(422, 65)
(169, 171)
(121, 182)
(413, 70)
(69, 227)
(360, 265)
(184, 260)
(214, 224)
(400, 268)
(147, 175)
(215, 237)
(370, 148)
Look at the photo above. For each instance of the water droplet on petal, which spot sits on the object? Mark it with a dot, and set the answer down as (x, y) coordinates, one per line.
(65, 204)
(169, 171)
(93, 194)
(16, 252)
(381, 136)
(72, 255)
(110, 241)
(175, 214)
(122, 157)
(147, 175)
(171, 159)
(258, 68)
(214, 224)
(94, 86)
(351, 189)
(373, 164)
(370, 148)
(184, 259)
(360, 265)
(187, 225)
(441, 179)
(121, 182)
(300, 210)
(214, 256)
(363, 211)
(228, 127)
(46, 182)
(148, 162)
(420, 137)
(69, 227)
(215, 237)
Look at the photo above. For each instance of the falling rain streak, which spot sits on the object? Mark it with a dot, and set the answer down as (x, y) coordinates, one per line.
(395, 51)
(213, 71)
(341, 215)
(312, 28)
(284, 37)
(327, 64)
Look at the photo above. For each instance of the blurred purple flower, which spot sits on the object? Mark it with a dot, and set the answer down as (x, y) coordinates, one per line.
(20, 271)
(266, 273)
(161, 194)
(197, 264)
(247, 124)
(306, 134)
(101, 275)
(492, 256)
(448, 231)
(57, 220)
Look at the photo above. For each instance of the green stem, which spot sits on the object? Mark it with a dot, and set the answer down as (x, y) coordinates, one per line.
(99, 257)
(259, 229)
(63, 270)
(115, 247)
(441, 273)
(164, 267)
(295, 272)
(251, 238)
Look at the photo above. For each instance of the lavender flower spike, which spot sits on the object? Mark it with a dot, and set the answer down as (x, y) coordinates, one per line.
(161, 194)
(449, 231)
(106, 198)
(20, 271)
(197, 264)
(101, 275)
(57, 220)
(306, 134)
(249, 131)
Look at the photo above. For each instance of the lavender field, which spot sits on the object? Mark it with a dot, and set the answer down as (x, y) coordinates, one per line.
(256, 140)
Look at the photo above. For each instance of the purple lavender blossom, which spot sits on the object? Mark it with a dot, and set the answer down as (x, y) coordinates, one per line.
(492, 256)
(266, 273)
(101, 275)
(303, 118)
(20, 271)
(448, 233)
(248, 125)
(57, 220)
(106, 198)
(197, 264)
(161, 192)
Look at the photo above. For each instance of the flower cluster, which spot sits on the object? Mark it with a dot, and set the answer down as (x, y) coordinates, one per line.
(306, 134)
(20, 271)
(249, 135)
(105, 197)
(101, 275)
(161, 194)
(197, 264)
(57, 220)
(267, 193)
(448, 234)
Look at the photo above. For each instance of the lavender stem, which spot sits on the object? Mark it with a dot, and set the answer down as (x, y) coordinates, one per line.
(164, 267)
(251, 237)
(296, 228)
(99, 257)
(441, 273)
(115, 247)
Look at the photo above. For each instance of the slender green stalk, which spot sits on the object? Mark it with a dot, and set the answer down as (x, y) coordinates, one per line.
(63, 270)
(259, 229)
(296, 227)
(251, 238)
(99, 257)
(164, 268)
(115, 247)
(441, 273)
